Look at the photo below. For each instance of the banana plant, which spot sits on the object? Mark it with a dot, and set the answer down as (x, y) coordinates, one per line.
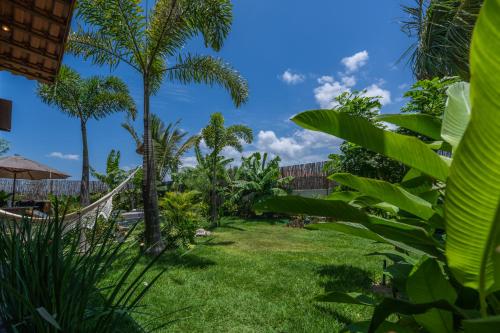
(445, 214)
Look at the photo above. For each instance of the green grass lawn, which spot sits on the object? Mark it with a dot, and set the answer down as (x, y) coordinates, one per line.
(256, 276)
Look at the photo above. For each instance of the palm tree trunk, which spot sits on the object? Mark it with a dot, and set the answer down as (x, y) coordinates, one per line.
(213, 214)
(84, 184)
(154, 243)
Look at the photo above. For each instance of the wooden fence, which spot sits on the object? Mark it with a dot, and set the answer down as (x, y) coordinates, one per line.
(40, 189)
(309, 176)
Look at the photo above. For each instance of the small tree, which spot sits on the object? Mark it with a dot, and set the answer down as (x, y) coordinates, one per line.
(217, 137)
(85, 99)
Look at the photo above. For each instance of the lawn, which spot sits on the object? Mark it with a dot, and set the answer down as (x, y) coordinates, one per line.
(261, 276)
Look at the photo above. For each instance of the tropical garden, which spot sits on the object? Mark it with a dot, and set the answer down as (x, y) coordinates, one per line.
(408, 240)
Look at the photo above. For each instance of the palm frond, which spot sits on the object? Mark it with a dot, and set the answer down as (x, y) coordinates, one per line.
(211, 71)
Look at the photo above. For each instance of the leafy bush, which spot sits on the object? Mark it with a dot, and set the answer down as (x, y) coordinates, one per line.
(256, 178)
(182, 213)
(444, 220)
(53, 279)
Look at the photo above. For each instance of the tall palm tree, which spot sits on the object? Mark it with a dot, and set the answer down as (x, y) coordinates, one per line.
(169, 144)
(151, 41)
(443, 32)
(217, 137)
(92, 98)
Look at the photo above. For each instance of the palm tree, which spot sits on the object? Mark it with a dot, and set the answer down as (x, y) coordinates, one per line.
(92, 98)
(169, 145)
(443, 31)
(217, 137)
(150, 41)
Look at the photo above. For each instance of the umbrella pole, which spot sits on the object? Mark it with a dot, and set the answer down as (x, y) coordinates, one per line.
(13, 189)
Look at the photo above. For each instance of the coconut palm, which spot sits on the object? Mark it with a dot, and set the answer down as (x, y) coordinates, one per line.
(151, 41)
(217, 137)
(443, 31)
(92, 98)
(169, 143)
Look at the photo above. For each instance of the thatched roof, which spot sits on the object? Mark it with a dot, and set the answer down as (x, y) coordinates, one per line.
(32, 36)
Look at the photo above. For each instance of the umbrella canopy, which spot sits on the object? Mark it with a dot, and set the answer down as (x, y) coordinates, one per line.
(19, 167)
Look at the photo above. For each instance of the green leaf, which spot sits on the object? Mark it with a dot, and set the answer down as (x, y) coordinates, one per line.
(483, 325)
(473, 190)
(48, 317)
(457, 113)
(346, 196)
(387, 192)
(426, 283)
(406, 149)
(350, 298)
(391, 305)
(424, 124)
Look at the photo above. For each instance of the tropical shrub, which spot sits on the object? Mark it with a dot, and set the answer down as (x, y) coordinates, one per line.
(182, 213)
(444, 227)
(55, 280)
(256, 178)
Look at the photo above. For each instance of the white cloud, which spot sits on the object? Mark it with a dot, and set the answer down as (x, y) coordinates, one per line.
(349, 81)
(57, 154)
(375, 90)
(292, 78)
(356, 61)
(189, 161)
(302, 147)
(329, 89)
(403, 86)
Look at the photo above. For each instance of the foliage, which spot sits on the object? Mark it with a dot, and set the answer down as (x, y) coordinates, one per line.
(92, 98)
(443, 31)
(256, 178)
(354, 158)
(217, 137)
(130, 197)
(151, 41)
(445, 273)
(183, 215)
(4, 146)
(54, 280)
(169, 145)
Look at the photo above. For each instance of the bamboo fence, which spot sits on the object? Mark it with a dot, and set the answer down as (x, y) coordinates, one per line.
(309, 176)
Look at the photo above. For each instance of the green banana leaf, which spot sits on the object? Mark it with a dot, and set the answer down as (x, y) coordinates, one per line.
(387, 192)
(483, 325)
(473, 190)
(457, 113)
(426, 283)
(406, 149)
(420, 123)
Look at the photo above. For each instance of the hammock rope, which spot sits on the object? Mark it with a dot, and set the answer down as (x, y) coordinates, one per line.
(87, 215)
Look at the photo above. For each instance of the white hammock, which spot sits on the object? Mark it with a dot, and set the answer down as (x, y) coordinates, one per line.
(86, 216)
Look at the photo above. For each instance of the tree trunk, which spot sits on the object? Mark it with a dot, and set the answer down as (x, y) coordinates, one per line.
(213, 199)
(84, 184)
(154, 243)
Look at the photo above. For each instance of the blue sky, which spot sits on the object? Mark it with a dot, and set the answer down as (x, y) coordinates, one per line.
(295, 55)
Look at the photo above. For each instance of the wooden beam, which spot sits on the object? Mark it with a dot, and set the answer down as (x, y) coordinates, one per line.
(43, 14)
(29, 67)
(33, 50)
(28, 29)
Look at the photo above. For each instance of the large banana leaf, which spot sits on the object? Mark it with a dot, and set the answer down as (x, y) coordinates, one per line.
(457, 113)
(473, 190)
(406, 149)
(424, 124)
(387, 192)
(426, 283)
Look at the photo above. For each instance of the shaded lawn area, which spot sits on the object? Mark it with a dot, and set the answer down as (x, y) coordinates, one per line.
(260, 276)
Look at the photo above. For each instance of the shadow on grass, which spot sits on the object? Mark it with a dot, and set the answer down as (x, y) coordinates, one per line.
(326, 310)
(344, 278)
(221, 243)
(187, 260)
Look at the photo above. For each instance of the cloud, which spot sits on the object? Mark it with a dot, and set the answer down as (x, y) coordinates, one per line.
(301, 147)
(189, 161)
(292, 78)
(356, 61)
(57, 154)
(349, 81)
(327, 91)
(403, 86)
(375, 90)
